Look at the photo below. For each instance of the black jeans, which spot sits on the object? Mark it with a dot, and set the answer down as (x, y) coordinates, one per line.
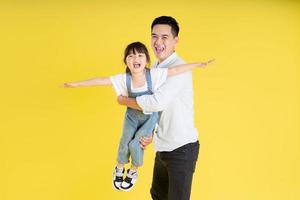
(173, 173)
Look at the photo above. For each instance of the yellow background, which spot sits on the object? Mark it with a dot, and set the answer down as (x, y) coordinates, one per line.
(60, 144)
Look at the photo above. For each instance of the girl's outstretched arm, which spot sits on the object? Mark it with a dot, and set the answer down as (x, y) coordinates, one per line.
(90, 82)
(178, 69)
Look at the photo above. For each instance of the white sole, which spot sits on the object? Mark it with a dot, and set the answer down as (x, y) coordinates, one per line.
(115, 187)
(127, 190)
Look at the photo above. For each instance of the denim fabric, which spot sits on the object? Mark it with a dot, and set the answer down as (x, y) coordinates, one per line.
(136, 125)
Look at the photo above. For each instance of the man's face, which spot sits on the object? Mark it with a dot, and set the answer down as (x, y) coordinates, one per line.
(162, 41)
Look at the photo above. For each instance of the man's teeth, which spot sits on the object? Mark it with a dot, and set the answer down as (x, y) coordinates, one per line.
(159, 50)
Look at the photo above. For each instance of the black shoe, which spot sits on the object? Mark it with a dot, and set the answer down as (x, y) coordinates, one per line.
(129, 181)
(118, 177)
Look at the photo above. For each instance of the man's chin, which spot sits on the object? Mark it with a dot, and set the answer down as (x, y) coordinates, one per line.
(160, 57)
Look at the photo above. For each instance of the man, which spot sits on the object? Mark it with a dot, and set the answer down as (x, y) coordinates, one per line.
(176, 140)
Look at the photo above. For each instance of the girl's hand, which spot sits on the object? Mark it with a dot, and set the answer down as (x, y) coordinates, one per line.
(211, 60)
(70, 85)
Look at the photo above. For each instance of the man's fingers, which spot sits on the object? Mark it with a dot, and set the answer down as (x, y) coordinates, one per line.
(145, 141)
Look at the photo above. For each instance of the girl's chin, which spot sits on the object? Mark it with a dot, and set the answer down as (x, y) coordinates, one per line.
(137, 70)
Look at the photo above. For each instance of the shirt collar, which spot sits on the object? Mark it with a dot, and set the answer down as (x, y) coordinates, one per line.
(166, 62)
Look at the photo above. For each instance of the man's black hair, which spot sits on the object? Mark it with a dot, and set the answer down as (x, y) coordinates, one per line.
(168, 20)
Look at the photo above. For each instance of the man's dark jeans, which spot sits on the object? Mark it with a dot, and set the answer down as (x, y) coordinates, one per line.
(173, 173)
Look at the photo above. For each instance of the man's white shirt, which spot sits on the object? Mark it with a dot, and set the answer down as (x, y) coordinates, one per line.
(174, 98)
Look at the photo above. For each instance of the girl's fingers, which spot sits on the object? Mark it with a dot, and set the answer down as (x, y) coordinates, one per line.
(210, 61)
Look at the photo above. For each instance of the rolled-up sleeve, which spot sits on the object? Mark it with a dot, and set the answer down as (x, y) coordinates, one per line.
(163, 95)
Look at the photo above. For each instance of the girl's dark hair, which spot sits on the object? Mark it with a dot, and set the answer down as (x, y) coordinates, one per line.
(168, 20)
(134, 48)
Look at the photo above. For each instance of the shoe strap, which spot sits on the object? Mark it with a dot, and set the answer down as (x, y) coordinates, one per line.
(131, 174)
(119, 172)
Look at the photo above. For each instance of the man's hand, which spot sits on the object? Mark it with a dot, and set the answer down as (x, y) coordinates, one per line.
(145, 141)
(121, 99)
(129, 102)
(204, 64)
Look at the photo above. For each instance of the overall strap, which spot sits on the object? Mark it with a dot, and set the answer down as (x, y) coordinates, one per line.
(128, 83)
(149, 80)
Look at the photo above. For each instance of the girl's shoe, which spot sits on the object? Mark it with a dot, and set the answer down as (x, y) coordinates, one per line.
(118, 177)
(129, 180)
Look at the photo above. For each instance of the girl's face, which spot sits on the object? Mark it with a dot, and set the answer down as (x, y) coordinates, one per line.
(136, 62)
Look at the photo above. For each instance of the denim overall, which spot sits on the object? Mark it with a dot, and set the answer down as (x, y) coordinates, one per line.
(136, 125)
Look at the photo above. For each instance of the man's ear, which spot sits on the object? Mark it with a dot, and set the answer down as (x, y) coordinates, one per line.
(176, 39)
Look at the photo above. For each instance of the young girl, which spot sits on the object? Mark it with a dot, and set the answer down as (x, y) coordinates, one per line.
(138, 80)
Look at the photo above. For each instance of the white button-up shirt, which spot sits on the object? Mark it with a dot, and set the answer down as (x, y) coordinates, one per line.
(175, 101)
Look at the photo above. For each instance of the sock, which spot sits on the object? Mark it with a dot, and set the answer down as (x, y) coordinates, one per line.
(119, 169)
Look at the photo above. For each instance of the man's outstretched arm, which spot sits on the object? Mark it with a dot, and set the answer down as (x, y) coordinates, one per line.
(161, 98)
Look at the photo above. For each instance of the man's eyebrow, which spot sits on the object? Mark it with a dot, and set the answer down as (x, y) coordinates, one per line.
(161, 35)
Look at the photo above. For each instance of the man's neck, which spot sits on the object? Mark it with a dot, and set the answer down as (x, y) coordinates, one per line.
(162, 60)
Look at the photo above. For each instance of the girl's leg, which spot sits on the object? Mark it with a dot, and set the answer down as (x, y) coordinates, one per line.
(129, 129)
(136, 152)
(120, 166)
(134, 168)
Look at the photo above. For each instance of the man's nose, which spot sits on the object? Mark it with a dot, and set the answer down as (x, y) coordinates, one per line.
(158, 41)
